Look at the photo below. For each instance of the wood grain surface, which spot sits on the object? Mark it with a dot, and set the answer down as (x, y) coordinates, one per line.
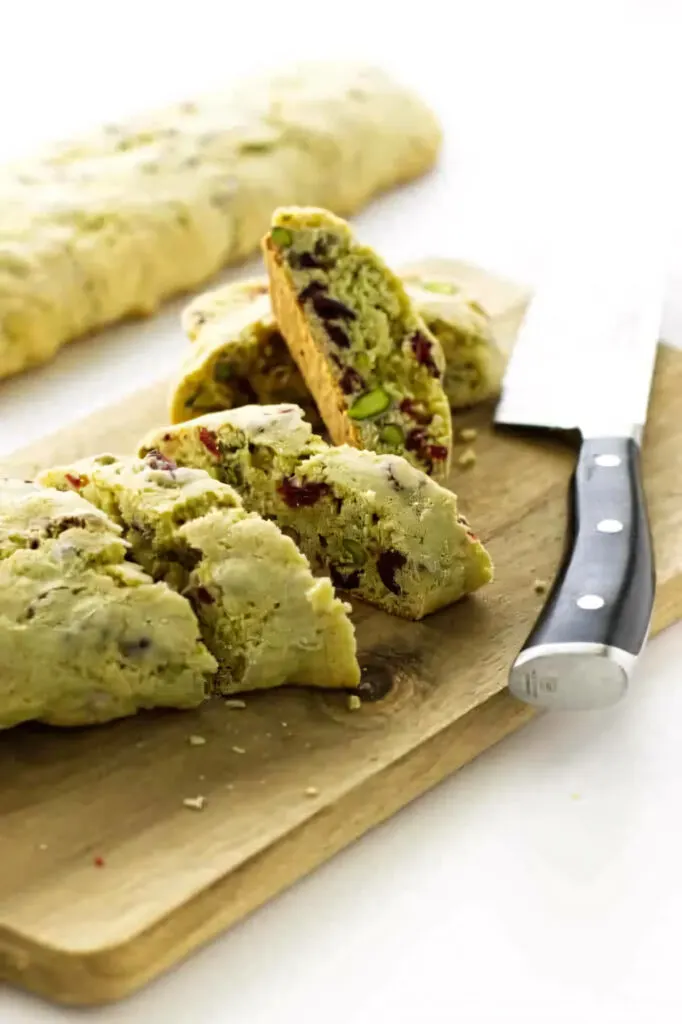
(80, 930)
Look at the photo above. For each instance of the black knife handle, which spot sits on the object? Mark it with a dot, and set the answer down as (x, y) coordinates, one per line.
(583, 647)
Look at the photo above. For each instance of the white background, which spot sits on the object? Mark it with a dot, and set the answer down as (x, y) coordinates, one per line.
(540, 884)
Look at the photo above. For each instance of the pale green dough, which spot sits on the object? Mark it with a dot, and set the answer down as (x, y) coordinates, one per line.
(385, 531)
(367, 357)
(263, 614)
(239, 357)
(85, 636)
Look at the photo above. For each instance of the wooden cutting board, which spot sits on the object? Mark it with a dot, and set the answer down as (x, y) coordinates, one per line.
(83, 931)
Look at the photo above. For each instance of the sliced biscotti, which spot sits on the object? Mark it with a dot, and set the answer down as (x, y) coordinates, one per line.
(107, 226)
(370, 363)
(473, 362)
(85, 636)
(386, 532)
(239, 356)
(263, 614)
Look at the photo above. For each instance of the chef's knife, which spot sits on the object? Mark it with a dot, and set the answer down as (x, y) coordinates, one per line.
(584, 361)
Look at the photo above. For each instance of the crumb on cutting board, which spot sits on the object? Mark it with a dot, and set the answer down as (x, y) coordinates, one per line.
(540, 586)
(235, 704)
(196, 741)
(468, 434)
(467, 458)
(195, 803)
(312, 791)
(239, 750)
(354, 703)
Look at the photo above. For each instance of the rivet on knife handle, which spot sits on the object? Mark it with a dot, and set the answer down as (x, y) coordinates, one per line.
(584, 646)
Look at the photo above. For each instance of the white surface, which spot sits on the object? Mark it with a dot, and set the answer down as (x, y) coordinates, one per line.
(539, 884)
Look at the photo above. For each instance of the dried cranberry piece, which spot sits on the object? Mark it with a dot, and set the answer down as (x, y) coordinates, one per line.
(344, 579)
(301, 494)
(243, 386)
(76, 480)
(423, 352)
(204, 596)
(157, 460)
(307, 261)
(313, 288)
(209, 439)
(350, 380)
(328, 308)
(415, 410)
(388, 564)
(338, 335)
(415, 440)
(437, 452)
(129, 648)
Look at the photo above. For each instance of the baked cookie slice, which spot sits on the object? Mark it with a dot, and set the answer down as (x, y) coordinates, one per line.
(372, 366)
(474, 364)
(239, 356)
(86, 636)
(263, 614)
(384, 531)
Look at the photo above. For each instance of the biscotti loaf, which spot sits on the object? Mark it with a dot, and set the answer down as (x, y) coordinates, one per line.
(263, 615)
(85, 635)
(386, 532)
(109, 225)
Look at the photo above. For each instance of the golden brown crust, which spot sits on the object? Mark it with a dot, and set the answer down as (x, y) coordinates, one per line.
(314, 368)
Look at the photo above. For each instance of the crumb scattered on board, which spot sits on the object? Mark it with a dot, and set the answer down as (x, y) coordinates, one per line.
(312, 791)
(235, 704)
(354, 703)
(195, 803)
(467, 458)
(239, 750)
(540, 586)
(42, 846)
(468, 434)
(197, 741)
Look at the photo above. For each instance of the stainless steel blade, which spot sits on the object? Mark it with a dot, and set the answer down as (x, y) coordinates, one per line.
(585, 354)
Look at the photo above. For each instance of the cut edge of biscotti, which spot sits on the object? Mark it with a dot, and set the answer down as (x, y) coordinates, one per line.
(58, 549)
(183, 524)
(231, 443)
(388, 395)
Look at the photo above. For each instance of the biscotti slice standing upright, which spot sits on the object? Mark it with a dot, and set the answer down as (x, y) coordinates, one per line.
(107, 226)
(85, 636)
(263, 614)
(385, 531)
(474, 364)
(370, 363)
(238, 355)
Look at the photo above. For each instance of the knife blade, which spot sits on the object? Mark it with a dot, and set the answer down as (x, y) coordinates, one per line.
(584, 361)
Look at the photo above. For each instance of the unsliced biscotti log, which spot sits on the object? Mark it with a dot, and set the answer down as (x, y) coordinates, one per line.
(86, 636)
(107, 226)
(263, 614)
(385, 531)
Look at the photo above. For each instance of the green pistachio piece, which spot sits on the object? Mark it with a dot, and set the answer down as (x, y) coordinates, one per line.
(222, 372)
(372, 403)
(441, 287)
(355, 552)
(281, 237)
(477, 308)
(393, 435)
